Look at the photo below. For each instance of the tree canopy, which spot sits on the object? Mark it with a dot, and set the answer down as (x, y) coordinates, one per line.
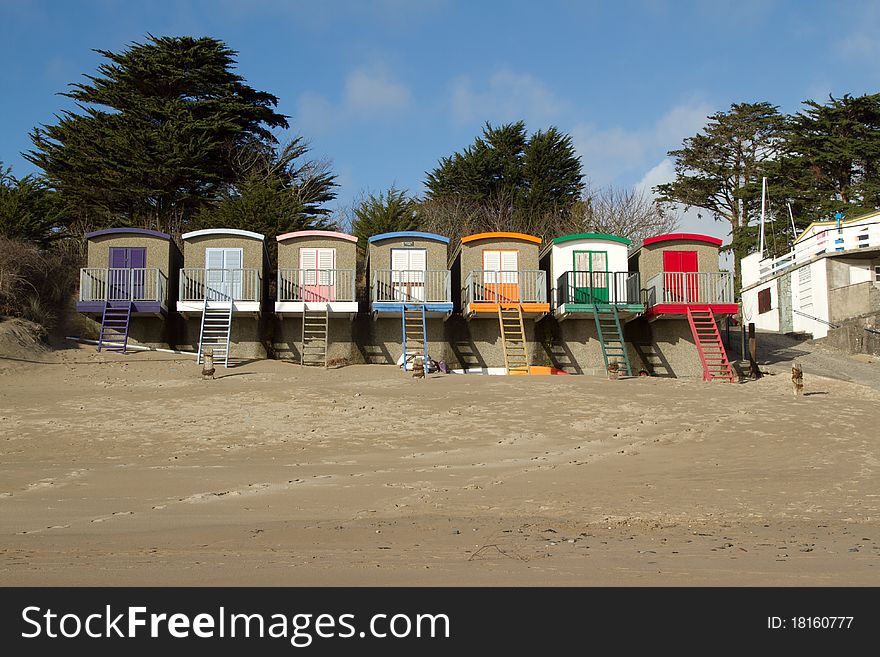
(517, 175)
(155, 132)
(830, 161)
(28, 210)
(276, 191)
(385, 212)
(719, 170)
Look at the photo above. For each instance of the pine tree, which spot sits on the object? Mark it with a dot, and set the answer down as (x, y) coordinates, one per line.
(720, 169)
(152, 139)
(509, 180)
(830, 159)
(386, 212)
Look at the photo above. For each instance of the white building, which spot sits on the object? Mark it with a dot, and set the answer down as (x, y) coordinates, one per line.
(831, 274)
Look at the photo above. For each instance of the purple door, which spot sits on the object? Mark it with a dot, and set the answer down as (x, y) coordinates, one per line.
(127, 273)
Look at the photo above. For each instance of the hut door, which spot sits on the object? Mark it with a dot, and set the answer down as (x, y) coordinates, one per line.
(680, 276)
(590, 277)
(408, 267)
(223, 274)
(501, 276)
(317, 275)
(127, 273)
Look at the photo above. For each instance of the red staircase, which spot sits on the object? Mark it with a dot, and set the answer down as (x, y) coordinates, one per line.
(709, 345)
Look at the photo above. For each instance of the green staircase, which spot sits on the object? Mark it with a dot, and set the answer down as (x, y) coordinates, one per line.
(611, 336)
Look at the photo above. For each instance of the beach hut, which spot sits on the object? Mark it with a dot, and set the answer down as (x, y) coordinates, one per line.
(126, 285)
(315, 300)
(502, 292)
(221, 292)
(410, 296)
(684, 294)
(593, 295)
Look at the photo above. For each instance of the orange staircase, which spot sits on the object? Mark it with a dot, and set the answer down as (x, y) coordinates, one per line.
(709, 345)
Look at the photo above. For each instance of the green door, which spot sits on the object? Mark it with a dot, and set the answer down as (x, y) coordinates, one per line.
(590, 277)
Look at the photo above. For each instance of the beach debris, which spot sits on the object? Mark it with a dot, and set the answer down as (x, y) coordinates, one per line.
(208, 365)
(613, 369)
(797, 378)
(418, 368)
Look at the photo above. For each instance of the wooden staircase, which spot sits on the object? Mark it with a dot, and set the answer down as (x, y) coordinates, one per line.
(513, 339)
(709, 345)
(611, 337)
(215, 330)
(315, 337)
(415, 335)
(114, 326)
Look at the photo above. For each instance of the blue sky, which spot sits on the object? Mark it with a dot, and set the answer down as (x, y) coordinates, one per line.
(383, 89)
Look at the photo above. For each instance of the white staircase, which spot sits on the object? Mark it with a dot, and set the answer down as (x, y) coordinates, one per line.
(415, 335)
(215, 330)
(315, 338)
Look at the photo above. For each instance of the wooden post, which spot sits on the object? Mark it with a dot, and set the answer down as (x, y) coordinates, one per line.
(208, 366)
(754, 372)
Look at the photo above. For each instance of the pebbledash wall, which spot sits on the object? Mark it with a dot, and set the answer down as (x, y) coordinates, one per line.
(287, 326)
(570, 340)
(474, 337)
(664, 346)
(250, 329)
(145, 329)
(378, 334)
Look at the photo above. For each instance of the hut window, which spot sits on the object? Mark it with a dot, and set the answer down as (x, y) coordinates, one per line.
(764, 301)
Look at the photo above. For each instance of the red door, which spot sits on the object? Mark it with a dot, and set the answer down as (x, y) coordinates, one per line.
(681, 280)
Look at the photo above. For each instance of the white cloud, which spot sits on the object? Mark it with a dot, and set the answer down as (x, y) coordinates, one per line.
(506, 96)
(366, 94)
(611, 154)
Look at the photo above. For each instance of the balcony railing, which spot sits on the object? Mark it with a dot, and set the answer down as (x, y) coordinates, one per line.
(591, 287)
(852, 237)
(527, 286)
(689, 287)
(411, 286)
(316, 285)
(122, 285)
(220, 284)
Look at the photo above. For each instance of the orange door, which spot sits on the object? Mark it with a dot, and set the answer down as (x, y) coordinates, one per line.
(501, 276)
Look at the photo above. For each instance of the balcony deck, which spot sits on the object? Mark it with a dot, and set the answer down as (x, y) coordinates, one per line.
(671, 294)
(485, 291)
(146, 289)
(392, 290)
(300, 290)
(242, 287)
(580, 294)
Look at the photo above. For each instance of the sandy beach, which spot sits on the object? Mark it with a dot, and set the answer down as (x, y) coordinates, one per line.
(131, 470)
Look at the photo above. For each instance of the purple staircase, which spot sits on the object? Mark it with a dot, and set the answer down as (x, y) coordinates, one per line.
(114, 326)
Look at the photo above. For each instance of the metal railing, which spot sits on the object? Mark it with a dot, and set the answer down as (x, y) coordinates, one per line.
(525, 286)
(689, 287)
(316, 285)
(220, 284)
(122, 284)
(411, 286)
(827, 240)
(614, 287)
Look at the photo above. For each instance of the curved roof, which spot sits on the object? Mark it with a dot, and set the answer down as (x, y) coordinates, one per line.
(691, 237)
(408, 233)
(330, 234)
(127, 231)
(591, 236)
(222, 231)
(498, 236)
